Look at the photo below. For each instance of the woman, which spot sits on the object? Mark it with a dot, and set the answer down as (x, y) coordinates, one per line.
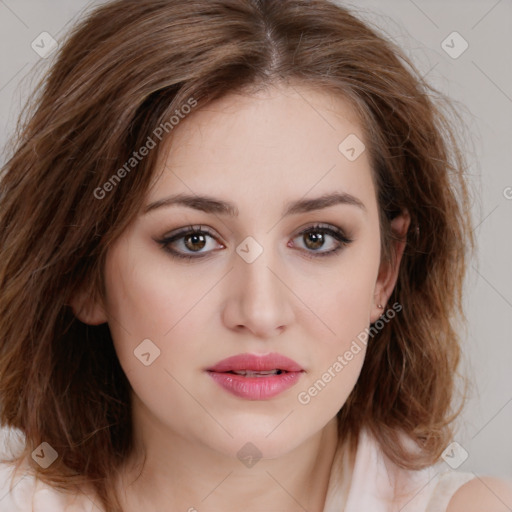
(235, 239)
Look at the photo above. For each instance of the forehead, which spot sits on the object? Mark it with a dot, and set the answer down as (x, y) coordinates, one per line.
(281, 141)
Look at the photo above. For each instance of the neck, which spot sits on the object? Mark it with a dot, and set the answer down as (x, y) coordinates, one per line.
(180, 474)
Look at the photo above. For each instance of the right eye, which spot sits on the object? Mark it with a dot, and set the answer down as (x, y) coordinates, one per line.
(187, 239)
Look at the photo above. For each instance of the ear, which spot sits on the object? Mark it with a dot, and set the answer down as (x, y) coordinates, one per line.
(87, 309)
(388, 270)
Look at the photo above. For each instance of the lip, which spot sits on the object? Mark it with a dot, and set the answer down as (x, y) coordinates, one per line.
(256, 388)
(256, 362)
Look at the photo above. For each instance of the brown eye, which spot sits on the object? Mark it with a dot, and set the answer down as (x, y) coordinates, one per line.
(192, 243)
(195, 241)
(316, 237)
(314, 240)
(188, 243)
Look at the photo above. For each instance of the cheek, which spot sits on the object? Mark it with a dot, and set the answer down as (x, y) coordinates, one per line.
(353, 298)
(143, 296)
(345, 299)
(146, 301)
(344, 307)
(339, 356)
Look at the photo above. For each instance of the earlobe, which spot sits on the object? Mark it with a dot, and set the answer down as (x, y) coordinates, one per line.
(388, 270)
(87, 309)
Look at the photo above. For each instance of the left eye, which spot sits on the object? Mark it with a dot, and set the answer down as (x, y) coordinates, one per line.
(315, 238)
(195, 240)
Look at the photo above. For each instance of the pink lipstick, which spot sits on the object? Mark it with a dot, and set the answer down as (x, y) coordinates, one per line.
(256, 377)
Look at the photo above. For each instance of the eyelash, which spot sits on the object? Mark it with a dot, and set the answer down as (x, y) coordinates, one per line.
(336, 233)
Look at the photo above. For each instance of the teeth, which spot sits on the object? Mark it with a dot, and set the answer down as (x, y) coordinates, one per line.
(248, 373)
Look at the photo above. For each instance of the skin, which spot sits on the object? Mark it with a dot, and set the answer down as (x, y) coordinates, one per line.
(482, 494)
(259, 152)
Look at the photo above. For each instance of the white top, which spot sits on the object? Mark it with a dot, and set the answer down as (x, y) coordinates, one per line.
(376, 484)
(371, 487)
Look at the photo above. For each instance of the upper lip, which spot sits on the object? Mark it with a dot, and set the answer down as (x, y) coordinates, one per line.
(256, 362)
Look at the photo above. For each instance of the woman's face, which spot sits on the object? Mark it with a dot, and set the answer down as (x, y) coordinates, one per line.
(259, 278)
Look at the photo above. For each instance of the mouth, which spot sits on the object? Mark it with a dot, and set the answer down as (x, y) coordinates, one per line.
(256, 377)
(256, 363)
(252, 373)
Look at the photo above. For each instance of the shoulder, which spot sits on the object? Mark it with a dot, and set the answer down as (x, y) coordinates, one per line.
(432, 489)
(486, 494)
(21, 491)
(16, 489)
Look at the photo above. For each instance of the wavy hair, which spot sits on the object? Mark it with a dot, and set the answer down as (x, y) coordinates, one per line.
(122, 72)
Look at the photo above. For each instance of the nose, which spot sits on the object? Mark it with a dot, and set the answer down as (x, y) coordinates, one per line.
(259, 297)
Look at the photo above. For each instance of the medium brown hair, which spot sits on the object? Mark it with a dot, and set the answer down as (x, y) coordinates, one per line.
(123, 71)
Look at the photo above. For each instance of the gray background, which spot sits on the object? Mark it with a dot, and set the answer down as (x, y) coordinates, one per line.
(481, 80)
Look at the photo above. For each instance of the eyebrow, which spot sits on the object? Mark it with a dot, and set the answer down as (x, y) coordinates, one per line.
(210, 204)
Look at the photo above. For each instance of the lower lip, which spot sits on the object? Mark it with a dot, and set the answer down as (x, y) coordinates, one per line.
(255, 388)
